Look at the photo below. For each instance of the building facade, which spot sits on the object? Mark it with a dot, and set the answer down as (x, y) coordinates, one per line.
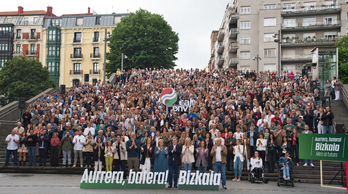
(25, 37)
(248, 29)
(77, 51)
(6, 43)
(212, 49)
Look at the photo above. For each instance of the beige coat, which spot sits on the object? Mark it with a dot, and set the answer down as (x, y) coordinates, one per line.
(122, 151)
(88, 145)
(187, 155)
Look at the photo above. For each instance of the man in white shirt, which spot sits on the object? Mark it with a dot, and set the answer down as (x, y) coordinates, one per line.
(89, 129)
(78, 142)
(219, 153)
(12, 146)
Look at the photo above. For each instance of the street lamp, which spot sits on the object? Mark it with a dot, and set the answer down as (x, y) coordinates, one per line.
(277, 39)
(257, 58)
(106, 39)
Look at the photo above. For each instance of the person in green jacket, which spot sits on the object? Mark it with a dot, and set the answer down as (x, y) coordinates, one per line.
(300, 125)
(200, 132)
(67, 146)
(288, 127)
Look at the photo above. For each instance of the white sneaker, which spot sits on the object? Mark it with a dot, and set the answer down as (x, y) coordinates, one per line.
(74, 166)
(312, 165)
(288, 178)
(284, 177)
(81, 166)
(305, 164)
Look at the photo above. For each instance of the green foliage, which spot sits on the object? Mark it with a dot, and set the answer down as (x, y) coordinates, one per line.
(343, 59)
(146, 39)
(21, 77)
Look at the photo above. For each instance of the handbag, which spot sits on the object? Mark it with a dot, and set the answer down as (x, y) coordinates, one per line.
(83, 149)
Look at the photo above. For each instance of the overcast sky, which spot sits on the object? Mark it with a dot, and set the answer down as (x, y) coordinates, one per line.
(192, 19)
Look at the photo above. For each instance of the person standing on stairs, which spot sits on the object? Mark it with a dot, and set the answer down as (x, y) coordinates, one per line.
(327, 118)
(338, 86)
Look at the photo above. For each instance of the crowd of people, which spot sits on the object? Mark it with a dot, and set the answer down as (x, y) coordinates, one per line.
(124, 125)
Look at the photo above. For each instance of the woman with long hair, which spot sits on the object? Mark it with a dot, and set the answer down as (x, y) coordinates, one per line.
(294, 145)
(187, 155)
(147, 156)
(54, 149)
(209, 142)
(88, 149)
(272, 152)
(99, 153)
(22, 148)
(238, 160)
(108, 155)
(261, 146)
(202, 155)
(161, 162)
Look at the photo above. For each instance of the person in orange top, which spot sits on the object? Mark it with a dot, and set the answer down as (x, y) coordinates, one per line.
(38, 129)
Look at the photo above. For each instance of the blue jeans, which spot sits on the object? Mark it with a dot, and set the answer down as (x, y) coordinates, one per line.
(238, 166)
(218, 166)
(333, 96)
(31, 152)
(88, 158)
(310, 161)
(8, 154)
(173, 169)
(202, 169)
(187, 167)
(328, 129)
(286, 171)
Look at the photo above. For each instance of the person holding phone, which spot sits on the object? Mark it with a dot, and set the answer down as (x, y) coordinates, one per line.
(67, 147)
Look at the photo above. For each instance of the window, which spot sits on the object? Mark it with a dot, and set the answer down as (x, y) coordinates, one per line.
(77, 68)
(330, 4)
(19, 34)
(268, 38)
(270, 67)
(308, 35)
(308, 21)
(95, 68)
(269, 53)
(96, 51)
(245, 40)
(35, 20)
(309, 6)
(51, 67)
(289, 23)
(245, 68)
(51, 51)
(18, 48)
(329, 20)
(269, 22)
(2, 62)
(77, 37)
(245, 25)
(56, 22)
(77, 52)
(330, 35)
(79, 21)
(289, 7)
(245, 55)
(289, 68)
(9, 20)
(245, 10)
(3, 47)
(58, 51)
(96, 37)
(52, 35)
(25, 21)
(269, 7)
(33, 34)
(32, 49)
(97, 20)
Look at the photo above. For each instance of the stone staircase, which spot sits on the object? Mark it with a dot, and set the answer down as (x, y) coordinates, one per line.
(301, 174)
(340, 112)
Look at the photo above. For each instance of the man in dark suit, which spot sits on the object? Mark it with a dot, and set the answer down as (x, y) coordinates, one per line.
(174, 162)
(43, 147)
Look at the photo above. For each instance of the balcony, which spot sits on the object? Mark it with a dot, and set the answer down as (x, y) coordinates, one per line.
(297, 58)
(233, 62)
(310, 41)
(220, 60)
(18, 37)
(32, 37)
(233, 18)
(314, 26)
(94, 72)
(17, 53)
(221, 48)
(94, 56)
(233, 32)
(233, 47)
(76, 57)
(311, 10)
(221, 35)
(95, 39)
(76, 72)
(76, 41)
(31, 53)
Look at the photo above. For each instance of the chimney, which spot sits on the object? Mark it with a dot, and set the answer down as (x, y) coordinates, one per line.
(89, 11)
(20, 10)
(49, 11)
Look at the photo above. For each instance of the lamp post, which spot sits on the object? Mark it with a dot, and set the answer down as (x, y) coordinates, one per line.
(277, 39)
(106, 39)
(257, 58)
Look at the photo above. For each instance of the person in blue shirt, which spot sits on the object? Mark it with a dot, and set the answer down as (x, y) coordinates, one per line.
(286, 163)
(252, 135)
(191, 115)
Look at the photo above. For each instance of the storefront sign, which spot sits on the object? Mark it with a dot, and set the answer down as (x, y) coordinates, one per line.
(323, 147)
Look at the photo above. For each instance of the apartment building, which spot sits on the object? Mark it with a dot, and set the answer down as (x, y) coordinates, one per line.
(20, 33)
(73, 46)
(248, 27)
(212, 49)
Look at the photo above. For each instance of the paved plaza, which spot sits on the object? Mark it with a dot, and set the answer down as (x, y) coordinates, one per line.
(64, 184)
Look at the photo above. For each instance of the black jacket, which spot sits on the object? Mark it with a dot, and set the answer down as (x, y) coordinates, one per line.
(327, 119)
(95, 153)
(174, 156)
(151, 155)
(32, 143)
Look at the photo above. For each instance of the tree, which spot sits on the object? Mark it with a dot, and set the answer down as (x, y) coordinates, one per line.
(21, 77)
(146, 39)
(343, 59)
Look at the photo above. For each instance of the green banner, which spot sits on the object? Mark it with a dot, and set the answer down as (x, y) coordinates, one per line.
(331, 147)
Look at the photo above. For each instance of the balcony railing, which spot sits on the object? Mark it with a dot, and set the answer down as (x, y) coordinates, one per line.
(31, 52)
(220, 48)
(31, 37)
(233, 61)
(18, 37)
(298, 57)
(76, 72)
(94, 55)
(313, 9)
(233, 17)
(77, 40)
(310, 40)
(95, 39)
(76, 56)
(220, 60)
(233, 47)
(17, 52)
(312, 25)
(94, 71)
(233, 32)
(221, 34)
